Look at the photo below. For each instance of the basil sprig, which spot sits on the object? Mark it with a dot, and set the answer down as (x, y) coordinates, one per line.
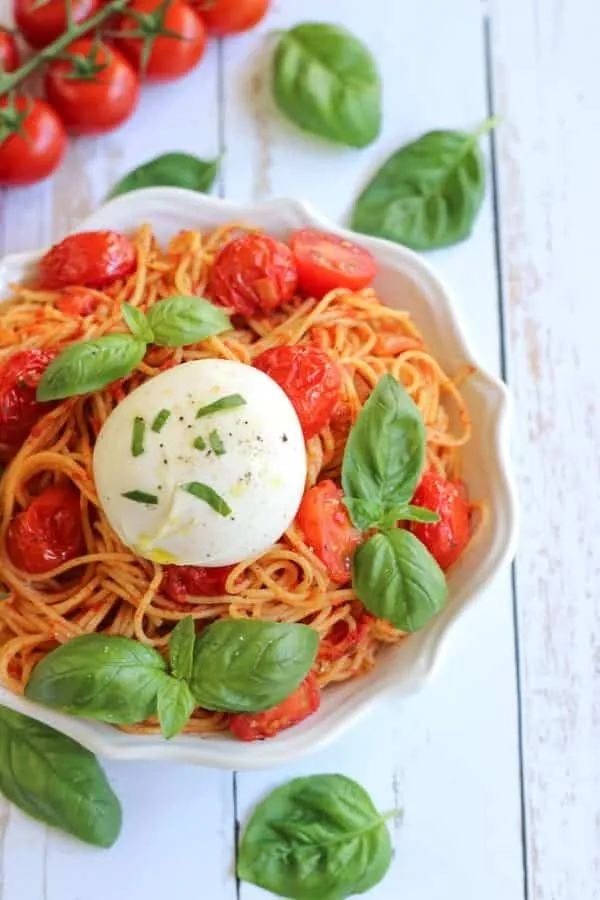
(326, 81)
(428, 193)
(173, 169)
(181, 648)
(316, 838)
(54, 779)
(91, 365)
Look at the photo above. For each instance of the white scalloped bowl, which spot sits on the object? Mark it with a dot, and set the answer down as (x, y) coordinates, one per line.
(403, 280)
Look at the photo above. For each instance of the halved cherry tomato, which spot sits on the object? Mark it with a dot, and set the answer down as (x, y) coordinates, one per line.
(170, 56)
(181, 582)
(77, 301)
(328, 530)
(342, 639)
(231, 16)
(9, 52)
(94, 90)
(326, 261)
(309, 377)
(35, 140)
(447, 538)
(19, 409)
(42, 23)
(304, 701)
(90, 258)
(48, 532)
(253, 273)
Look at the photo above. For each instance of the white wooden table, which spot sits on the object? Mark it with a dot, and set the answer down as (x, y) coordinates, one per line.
(497, 762)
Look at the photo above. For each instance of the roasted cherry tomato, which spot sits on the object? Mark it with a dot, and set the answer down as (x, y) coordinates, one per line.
(252, 274)
(181, 582)
(35, 140)
(304, 701)
(310, 379)
(42, 23)
(90, 258)
(447, 538)
(230, 16)
(326, 261)
(342, 639)
(19, 409)
(170, 56)
(77, 302)
(9, 52)
(94, 90)
(48, 532)
(328, 530)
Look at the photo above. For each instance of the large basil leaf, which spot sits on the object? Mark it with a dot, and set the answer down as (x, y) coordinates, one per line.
(54, 779)
(174, 169)
(180, 320)
(315, 838)
(107, 677)
(245, 665)
(384, 454)
(397, 579)
(181, 648)
(428, 193)
(327, 82)
(175, 704)
(90, 365)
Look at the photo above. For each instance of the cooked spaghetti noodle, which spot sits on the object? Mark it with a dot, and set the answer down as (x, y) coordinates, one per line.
(109, 588)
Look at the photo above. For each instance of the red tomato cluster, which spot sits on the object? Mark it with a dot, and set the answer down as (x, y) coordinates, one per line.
(94, 86)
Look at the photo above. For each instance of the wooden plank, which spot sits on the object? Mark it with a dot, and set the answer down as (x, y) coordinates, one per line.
(547, 89)
(448, 756)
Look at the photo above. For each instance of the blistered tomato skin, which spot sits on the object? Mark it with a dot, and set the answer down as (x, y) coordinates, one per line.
(447, 538)
(253, 274)
(90, 259)
(19, 409)
(47, 533)
(181, 582)
(327, 529)
(304, 701)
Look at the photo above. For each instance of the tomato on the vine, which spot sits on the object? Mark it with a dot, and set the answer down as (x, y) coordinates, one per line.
(94, 90)
(9, 52)
(252, 274)
(164, 39)
(231, 16)
(87, 259)
(32, 140)
(49, 532)
(42, 23)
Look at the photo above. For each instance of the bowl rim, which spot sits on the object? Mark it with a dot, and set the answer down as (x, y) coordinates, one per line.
(307, 738)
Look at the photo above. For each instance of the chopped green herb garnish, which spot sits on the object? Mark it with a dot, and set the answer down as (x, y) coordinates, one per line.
(216, 444)
(206, 493)
(141, 497)
(230, 402)
(160, 419)
(200, 443)
(137, 437)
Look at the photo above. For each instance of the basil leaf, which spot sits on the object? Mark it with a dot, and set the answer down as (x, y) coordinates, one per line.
(181, 648)
(384, 454)
(175, 704)
(56, 780)
(107, 677)
(327, 82)
(408, 513)
(428, 193)
(137, 322)
(180, 320)
(315, 838)
(397, 579)
(176, 169)
(245, 665)
(90, 365)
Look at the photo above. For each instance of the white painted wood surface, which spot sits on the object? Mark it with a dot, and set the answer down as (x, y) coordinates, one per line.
(449, 757)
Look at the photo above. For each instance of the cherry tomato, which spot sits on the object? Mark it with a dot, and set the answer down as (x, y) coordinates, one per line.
(9, 52)
(310, 379)
(35, 143)
(42, 23)
(181, 582)
(328, 530)
(326, 261)
(252, 274)
(447, 538)
(19, 409)
(48, 532)
(342, 639)
(77, 302)
(304, 701)
(95, 90)
(90, 258)
(169, 57)
(230, 16)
